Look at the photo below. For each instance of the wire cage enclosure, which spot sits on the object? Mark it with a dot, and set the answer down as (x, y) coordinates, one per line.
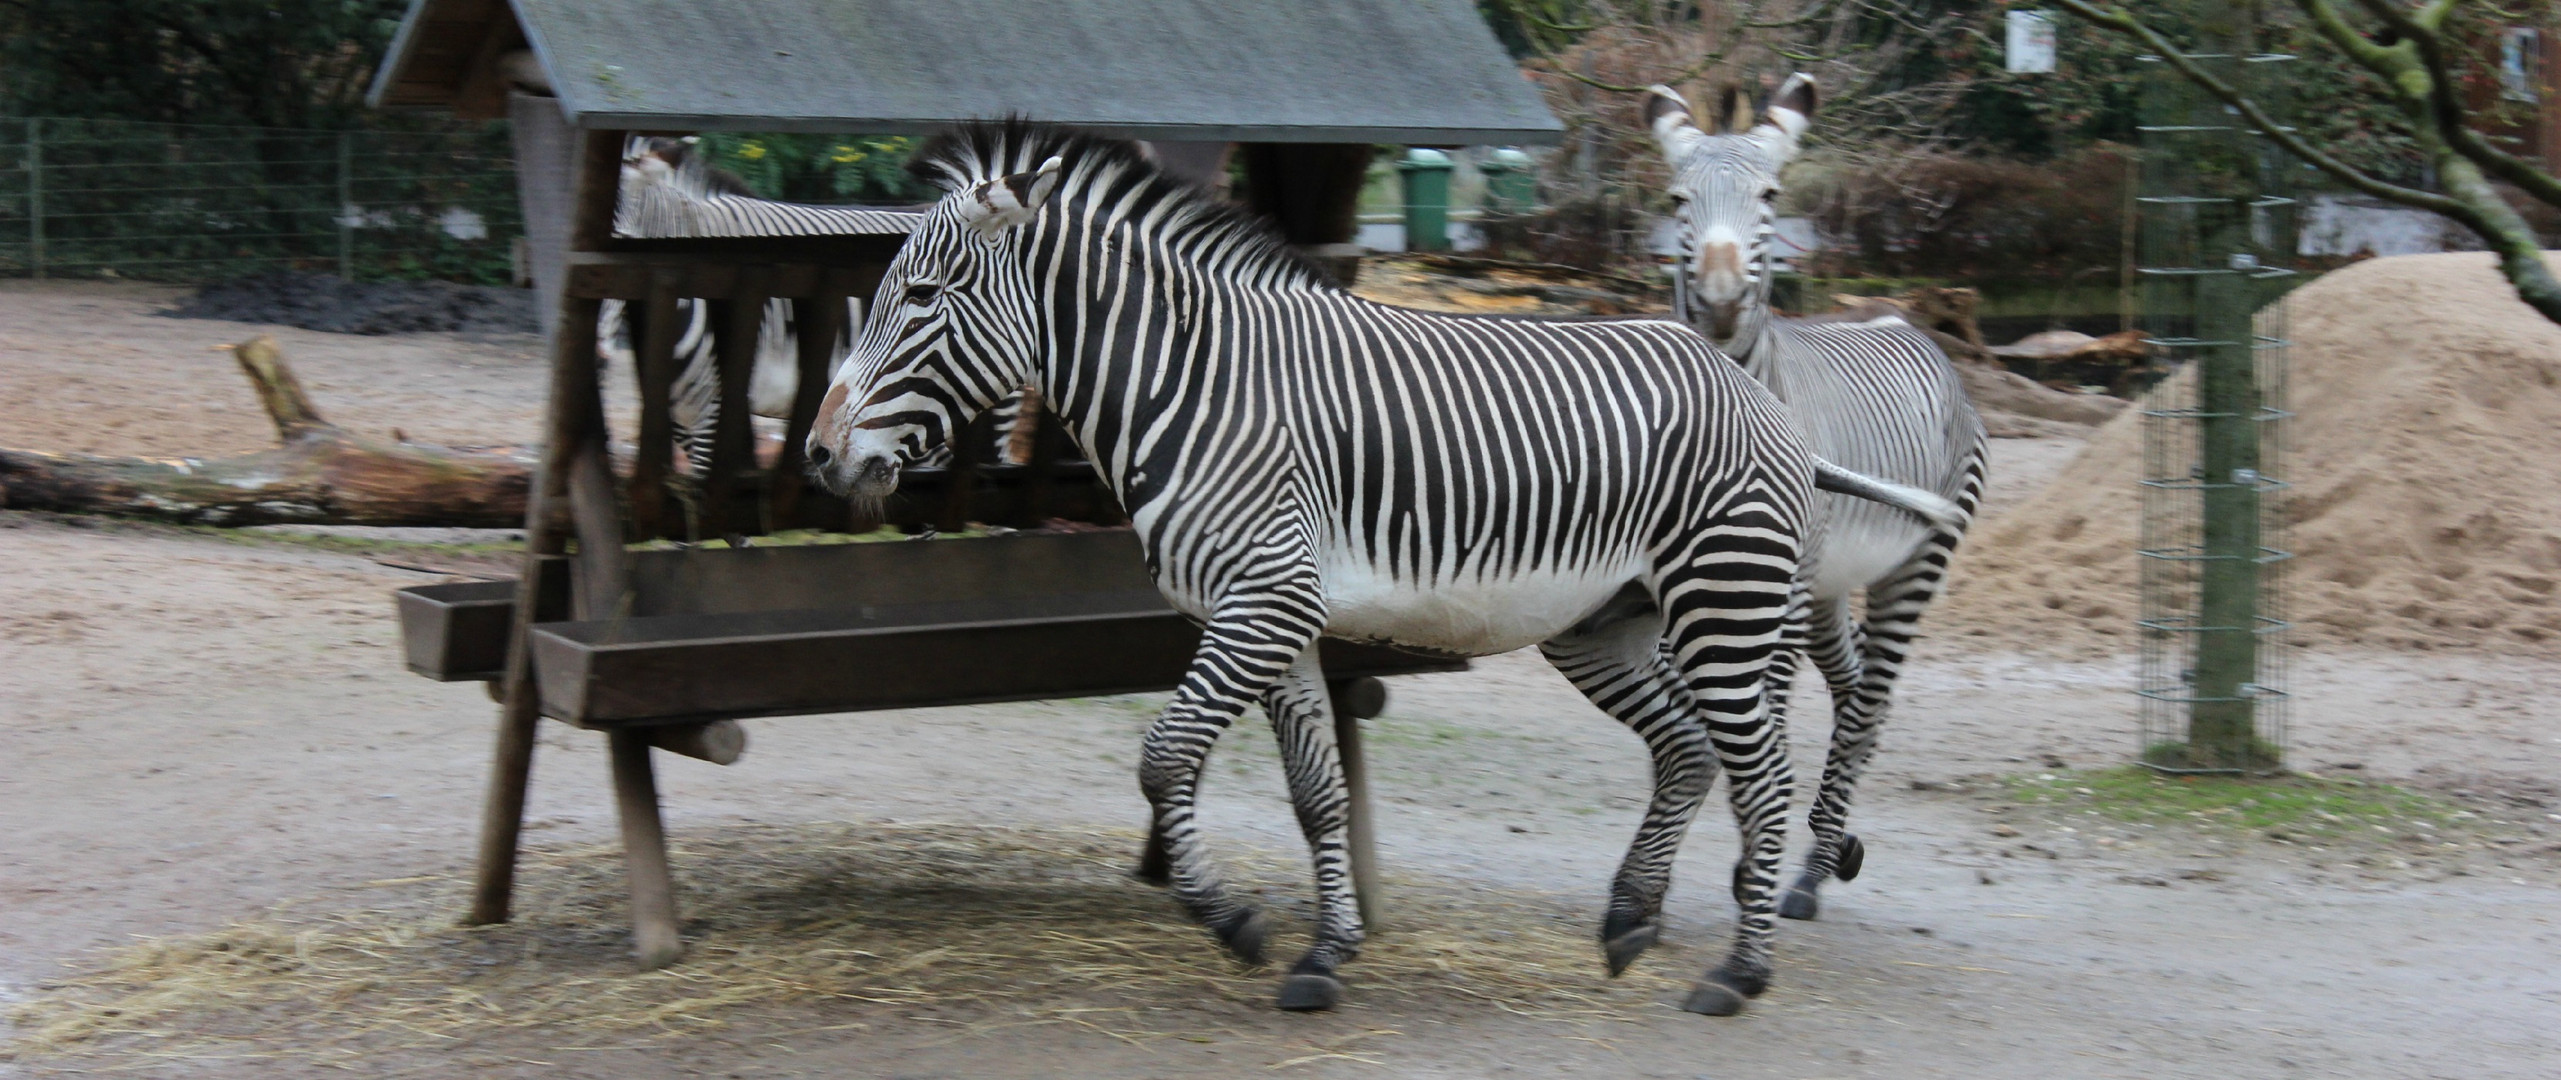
(2218, 231)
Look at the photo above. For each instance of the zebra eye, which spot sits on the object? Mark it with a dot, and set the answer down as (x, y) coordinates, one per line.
(923, 293)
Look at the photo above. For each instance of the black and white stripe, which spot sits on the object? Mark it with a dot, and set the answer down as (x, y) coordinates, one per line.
(1300, 462)
(1877, 397)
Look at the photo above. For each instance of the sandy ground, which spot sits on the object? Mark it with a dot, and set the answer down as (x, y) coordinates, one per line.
(196, 728)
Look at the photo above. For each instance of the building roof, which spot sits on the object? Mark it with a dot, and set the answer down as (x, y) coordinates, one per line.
(1336, 71)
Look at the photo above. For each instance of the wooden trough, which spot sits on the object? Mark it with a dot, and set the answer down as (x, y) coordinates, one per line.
(703, 636)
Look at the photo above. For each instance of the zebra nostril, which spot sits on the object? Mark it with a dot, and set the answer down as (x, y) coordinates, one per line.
(819, 455)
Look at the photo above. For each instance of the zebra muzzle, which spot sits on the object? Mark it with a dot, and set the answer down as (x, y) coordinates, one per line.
(875, 476)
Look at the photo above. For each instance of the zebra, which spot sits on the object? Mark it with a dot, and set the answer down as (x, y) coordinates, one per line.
(1876, 396)
(670, 190)
(694, 399)
(1298, 462)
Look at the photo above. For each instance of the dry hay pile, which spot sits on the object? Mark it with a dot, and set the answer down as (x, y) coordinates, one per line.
(2426, 463)
(981, 926)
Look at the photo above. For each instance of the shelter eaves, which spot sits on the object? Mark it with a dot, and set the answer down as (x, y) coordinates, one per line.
(1424, 72)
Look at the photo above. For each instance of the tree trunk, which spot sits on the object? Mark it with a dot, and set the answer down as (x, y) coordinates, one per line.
(320, 475)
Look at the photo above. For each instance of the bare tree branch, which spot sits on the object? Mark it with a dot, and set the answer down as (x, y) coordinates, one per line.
(2419, 85)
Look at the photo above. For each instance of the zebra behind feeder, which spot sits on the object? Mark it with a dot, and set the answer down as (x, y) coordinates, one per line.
(1876, 396)
(668, 189)
(1301, 463)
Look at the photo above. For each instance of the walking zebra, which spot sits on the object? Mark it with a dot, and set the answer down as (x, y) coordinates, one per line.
(1299, 462)
(1875, 396)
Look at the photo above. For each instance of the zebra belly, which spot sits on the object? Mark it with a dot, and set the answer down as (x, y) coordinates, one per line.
(1472, 617)
(1862, 542)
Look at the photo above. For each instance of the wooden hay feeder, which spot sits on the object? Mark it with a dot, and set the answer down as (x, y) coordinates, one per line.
(667, 649)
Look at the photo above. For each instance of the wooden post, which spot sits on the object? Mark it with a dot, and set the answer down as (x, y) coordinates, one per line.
(654, 369)
(962, 475)
(346, 207)
(35, 197)
(1049, 450)
(654, 941)
(575, 411)
(1356, 700)
(740, 322)
(819, 319)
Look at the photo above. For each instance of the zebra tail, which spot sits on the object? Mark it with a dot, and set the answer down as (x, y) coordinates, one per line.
(1928, 506)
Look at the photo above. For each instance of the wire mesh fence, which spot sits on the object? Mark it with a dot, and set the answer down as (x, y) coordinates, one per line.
(2217, 230)
(194, 203)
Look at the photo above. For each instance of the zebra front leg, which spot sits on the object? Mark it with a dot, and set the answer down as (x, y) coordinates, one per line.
(1616, 659)
(1834, 644)
(1723, 629)
(1239, 659)
(1301, 713)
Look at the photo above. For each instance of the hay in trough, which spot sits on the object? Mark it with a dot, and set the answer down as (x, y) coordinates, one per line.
(986, 925)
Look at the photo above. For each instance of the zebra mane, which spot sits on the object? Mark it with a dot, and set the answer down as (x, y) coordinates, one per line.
(986, 149)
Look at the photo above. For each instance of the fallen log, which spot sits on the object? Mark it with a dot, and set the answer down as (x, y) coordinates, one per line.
(320, 474)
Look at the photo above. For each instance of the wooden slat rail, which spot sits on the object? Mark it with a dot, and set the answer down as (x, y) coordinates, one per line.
(615, 275)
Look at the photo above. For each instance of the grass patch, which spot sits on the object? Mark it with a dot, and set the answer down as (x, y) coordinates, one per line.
(2286, 802)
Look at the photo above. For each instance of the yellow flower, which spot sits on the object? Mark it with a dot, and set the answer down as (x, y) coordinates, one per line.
(752, 151)
(846, 155)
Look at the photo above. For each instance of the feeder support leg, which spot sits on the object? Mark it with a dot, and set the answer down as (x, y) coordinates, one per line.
(1355, 700)
(654, 942)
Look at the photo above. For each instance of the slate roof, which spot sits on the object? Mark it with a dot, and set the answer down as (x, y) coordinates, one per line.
(1391, 71)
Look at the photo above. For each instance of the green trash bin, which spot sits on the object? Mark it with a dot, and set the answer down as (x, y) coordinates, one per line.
(1511, 182)
(1426, 176)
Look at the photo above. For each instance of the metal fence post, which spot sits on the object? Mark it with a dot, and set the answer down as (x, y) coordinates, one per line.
(346, 209)
(35, 196)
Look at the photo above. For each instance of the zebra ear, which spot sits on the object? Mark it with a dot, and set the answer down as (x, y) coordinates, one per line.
(1006, 201)
(1792, 108)
(1667, 114)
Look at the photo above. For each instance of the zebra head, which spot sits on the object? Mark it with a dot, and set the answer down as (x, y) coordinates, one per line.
(952, 331)
(1726, 184)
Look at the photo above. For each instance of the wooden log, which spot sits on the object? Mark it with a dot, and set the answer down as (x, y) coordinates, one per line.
(321, 474)
(719, 742)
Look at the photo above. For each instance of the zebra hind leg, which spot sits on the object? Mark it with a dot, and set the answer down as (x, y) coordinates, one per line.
(1725, 620)
(1894, 608)
(1834, 646)
(1616, 659)
(1301, 712)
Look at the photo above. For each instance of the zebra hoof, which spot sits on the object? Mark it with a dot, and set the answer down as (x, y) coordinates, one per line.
(1853, 856)
(1712, 998)
(1623, 949)
(1799, 903)
(1310, 992)
(1246, 936)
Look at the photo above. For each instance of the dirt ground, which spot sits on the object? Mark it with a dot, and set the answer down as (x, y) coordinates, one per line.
(197, 728)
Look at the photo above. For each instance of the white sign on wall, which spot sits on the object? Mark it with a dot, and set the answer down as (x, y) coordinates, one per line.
(2031, 45)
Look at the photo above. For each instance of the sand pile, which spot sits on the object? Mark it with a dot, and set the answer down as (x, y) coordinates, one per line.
(2426, 462)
